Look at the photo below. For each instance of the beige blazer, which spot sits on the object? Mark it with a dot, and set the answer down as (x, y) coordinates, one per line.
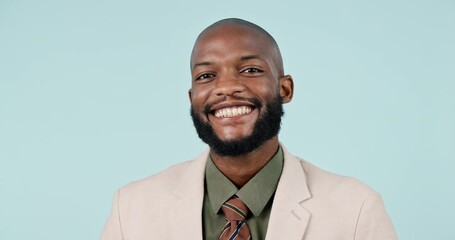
(309, 204)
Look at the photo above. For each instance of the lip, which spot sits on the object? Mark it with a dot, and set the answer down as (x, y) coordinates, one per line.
(227, 104)
(234, 120)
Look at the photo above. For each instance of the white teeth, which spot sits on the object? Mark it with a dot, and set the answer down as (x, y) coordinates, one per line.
(232, 111)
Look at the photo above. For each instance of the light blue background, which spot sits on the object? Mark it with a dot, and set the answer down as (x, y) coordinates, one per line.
(93, 95)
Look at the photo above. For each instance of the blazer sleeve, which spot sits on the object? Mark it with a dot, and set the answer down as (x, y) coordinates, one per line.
(373, 222)
(113, 228)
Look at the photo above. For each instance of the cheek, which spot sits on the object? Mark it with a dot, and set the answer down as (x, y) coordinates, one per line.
(264, 91)
(199, 96)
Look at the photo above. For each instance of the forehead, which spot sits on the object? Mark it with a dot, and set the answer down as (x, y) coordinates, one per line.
(232, 39)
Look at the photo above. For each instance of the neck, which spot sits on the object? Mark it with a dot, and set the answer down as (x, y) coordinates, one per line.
(241, 169)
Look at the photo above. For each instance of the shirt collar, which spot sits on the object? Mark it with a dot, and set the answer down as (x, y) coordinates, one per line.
(255, 193)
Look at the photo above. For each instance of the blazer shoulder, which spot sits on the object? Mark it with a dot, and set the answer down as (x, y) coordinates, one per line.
(160, 182)
(322, 182)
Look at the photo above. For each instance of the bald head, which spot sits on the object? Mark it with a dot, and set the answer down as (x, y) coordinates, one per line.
(236, 28)
(236, 66)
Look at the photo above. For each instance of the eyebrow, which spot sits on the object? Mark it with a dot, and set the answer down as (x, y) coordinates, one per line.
(244, 58)
(249, 57)
(202, 64)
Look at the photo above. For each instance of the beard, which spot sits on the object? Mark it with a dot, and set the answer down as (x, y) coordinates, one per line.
(267, 126)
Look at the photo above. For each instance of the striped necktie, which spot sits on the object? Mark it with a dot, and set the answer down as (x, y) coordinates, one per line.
(235, 212)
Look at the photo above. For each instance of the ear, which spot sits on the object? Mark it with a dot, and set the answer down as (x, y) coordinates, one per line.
(190, 95)
(286, 88)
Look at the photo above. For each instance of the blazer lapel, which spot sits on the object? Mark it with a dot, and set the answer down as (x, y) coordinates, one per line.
(186, 214)
(288, 219)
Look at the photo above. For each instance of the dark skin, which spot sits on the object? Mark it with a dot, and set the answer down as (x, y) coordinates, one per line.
(230, 63)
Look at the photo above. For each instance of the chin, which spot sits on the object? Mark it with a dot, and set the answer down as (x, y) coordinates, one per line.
(233, 137)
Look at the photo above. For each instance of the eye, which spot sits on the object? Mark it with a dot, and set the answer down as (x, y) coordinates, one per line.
(205, 76)
(252, 70)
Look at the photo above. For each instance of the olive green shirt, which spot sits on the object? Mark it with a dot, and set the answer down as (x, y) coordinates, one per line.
(257, 195)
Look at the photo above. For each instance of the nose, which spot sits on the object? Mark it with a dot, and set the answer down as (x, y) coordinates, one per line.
(228, 85)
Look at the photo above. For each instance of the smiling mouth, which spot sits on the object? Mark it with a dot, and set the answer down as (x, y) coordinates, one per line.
(232, 111)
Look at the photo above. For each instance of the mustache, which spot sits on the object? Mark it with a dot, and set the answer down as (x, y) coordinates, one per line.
(256, 102)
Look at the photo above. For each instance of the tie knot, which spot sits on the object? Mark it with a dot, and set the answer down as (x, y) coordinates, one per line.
(235, 210)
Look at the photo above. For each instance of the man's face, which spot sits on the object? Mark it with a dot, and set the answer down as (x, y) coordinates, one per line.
(235, 94)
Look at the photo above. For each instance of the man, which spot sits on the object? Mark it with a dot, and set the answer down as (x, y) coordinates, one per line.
(247, 185)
